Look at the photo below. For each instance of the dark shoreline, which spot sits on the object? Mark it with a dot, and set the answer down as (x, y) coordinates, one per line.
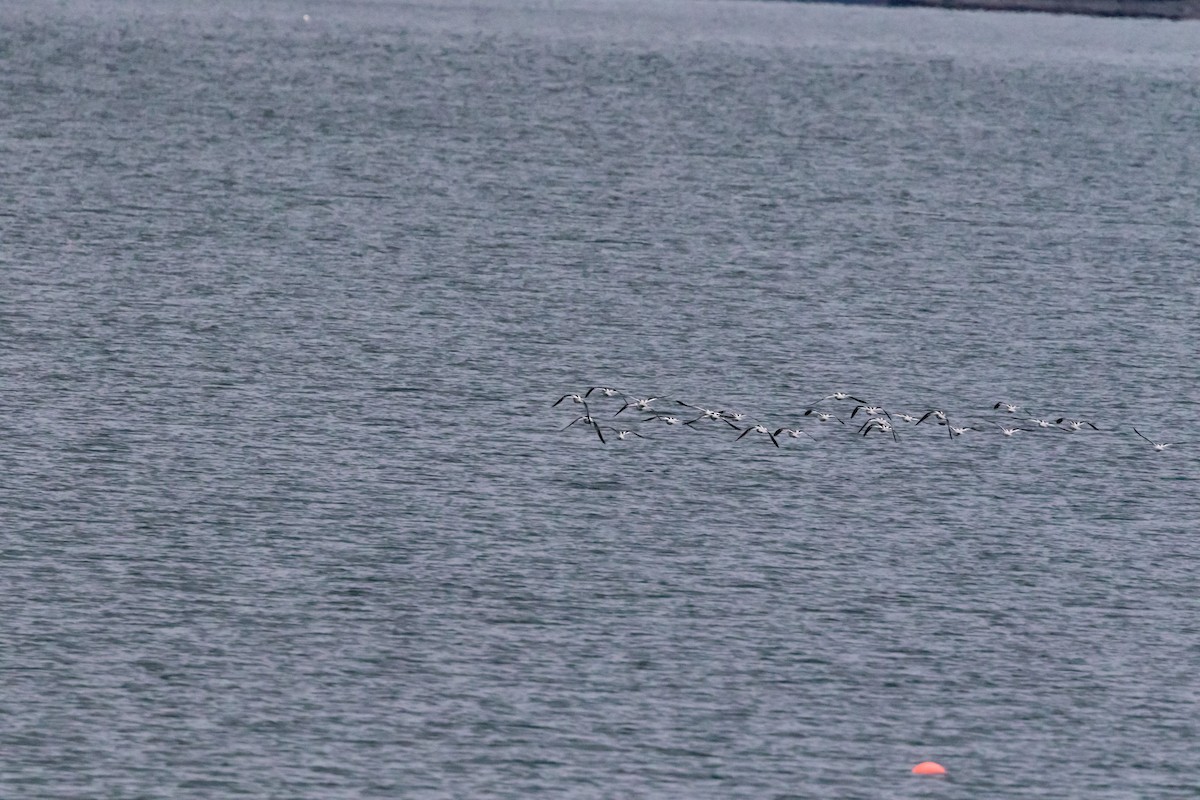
(1145, 9)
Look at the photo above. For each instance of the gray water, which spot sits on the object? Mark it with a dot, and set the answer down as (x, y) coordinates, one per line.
(285, 510)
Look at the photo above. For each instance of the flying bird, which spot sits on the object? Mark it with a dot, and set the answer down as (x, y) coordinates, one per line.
(760, 429)
(940, 416)
(587, 419)
(1158, 446)
(794, 433)
(667, 418)
(707, 413)
(1009, 430)
(604, 390)
(840, 396)
(881, 424)
(625, 434)
(871, 411)
(637, 404)
(574, 398)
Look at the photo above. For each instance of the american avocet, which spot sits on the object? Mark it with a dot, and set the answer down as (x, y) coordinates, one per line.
(870, 411)
(637, 404)
(1009, 407)
(940, 416)
(707, 413)
(1158, 446)
(586, 419)
(666, 418)
(1075, 424)
(1007, 430)
(907, 417)
(823, 416)
(760, 429)
(574, 398)
(607, 391)
(1041, 423)
(841, 396)
(624, 434)
(881, 424)
(795, 433)
(955, 431)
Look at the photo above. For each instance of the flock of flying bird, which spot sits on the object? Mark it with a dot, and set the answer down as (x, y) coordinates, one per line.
(874, 418)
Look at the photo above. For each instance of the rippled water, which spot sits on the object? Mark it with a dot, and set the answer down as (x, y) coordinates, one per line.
(284, 307)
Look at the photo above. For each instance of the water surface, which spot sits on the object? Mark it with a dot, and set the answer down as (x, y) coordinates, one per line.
(284, 306)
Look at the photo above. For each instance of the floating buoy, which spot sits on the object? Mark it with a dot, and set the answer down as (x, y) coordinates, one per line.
(929, 768)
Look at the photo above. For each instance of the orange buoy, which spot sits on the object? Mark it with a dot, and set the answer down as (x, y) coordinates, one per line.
(929, 768)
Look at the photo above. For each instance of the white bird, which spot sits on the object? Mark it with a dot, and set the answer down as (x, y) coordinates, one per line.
(707, 413)
(823, 416)
(1075, 424)
(1158, 446)
(604, 390)
(760, 429)
(795, 433)
(1041, 423)
(637, 404)
(907, 417)
(667, 418)
(871, 411)
(574, 398)
(841, 396)
(704, 412)
(586, 419)
(881, 424)
(1008, 431)
(959, 431)
(1009, 407)
(940, 416)
(624, 434)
